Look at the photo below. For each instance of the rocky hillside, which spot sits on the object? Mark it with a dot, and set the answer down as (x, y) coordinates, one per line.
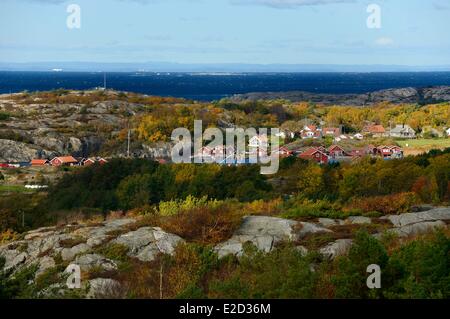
(43, 128)
(398, 96)
(95, 247)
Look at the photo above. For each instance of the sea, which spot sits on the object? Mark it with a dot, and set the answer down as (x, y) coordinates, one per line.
(215, 86)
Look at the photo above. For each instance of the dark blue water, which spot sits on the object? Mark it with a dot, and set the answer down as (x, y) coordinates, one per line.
(213, 87)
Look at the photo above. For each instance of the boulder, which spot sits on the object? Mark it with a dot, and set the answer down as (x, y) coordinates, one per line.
(103, 288)
(13, 258)
(358, 220)
(89, 261)
(418, 228)
(68, 254)
(436, 214)
(264, 233)
(45, 263)
(338, 248)
(147, 242)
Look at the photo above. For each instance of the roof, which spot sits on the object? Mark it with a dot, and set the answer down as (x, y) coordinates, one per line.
(375, 129)
(66, 159)
(39, 162)
(311, 151)
(402, 128)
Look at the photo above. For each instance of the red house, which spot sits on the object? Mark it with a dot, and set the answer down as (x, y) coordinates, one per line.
(336, 151)
(64, 161)
(315, 155)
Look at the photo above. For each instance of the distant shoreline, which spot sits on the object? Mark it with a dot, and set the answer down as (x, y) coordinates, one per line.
(315, 87)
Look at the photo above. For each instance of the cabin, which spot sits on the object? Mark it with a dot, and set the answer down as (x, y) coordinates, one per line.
(88, 162)
(39, 162)
(402, 131)
(64, 161)
(315, 155)
(375, 130)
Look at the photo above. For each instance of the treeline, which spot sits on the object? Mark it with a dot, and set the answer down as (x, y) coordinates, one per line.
(369, 185)
(127, 184)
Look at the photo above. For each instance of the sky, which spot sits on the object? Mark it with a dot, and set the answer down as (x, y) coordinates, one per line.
(412, 32)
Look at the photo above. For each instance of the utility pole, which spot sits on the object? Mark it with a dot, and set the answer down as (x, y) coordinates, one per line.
(104, 81)
(128, 146)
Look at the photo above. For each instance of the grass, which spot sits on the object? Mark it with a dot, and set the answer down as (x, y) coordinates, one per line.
(424, 144)
(13, 189)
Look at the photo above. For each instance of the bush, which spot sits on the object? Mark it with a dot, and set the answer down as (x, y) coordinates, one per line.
(283, 273)
(387, 205)
(174, 207)
(205, 225)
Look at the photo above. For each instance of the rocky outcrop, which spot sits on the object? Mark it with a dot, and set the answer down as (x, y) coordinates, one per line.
(397, 96)
(146, 243)
(90, 246)
(432, 215)
(12, 151)
(264, 233)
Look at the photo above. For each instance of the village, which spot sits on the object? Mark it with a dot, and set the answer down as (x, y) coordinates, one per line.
(339, 151)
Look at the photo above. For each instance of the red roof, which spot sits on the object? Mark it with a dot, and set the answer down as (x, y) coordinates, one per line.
(39, 162)
(377, 129)
(66, 159)
(311, 151)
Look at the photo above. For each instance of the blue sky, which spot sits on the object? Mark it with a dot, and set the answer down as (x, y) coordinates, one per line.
(413, 32)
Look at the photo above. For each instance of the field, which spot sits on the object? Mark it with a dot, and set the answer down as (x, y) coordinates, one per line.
(414, 147)
(13, 189)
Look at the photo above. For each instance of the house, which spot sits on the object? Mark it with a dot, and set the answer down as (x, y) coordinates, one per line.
(39, 162)
(384, 151)
(92, 161)
(64, 161)
(285, 134)
(371, 149)
(315, 154)
(402, 131)
(259, 141)
(396, 152)
(310, 131)
(101, 161)
(336, 151)
(88, 162)
(358, 152)
(283, 152)
(331, 131)
(374, 130)
(358, 136)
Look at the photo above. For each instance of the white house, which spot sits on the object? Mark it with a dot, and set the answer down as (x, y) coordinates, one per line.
(403, 131)
(447, 131)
